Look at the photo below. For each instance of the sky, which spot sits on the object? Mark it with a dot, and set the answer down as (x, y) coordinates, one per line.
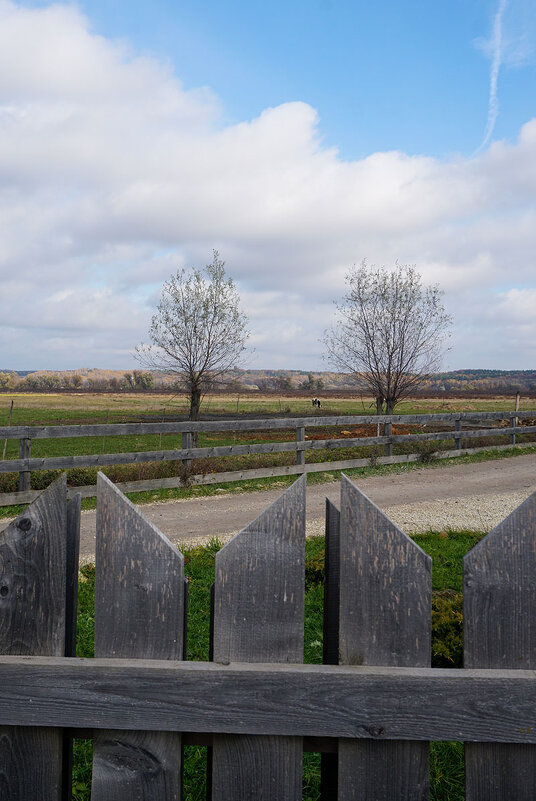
(296, 138)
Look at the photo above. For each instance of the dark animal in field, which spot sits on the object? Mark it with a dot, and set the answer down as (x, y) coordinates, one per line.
(316, 403)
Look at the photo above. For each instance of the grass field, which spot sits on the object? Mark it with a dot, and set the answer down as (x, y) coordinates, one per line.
(447, 551)
(70, 407)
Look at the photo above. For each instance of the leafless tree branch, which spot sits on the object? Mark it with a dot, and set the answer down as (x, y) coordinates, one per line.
(390, 331)
(199, 332)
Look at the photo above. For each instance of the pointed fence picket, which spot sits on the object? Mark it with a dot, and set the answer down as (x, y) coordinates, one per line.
(259, 617)
(500, 632)
(139, 613)
(371, 709)
(385, 619)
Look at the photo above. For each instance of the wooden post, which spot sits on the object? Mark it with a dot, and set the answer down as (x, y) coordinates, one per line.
(258, 617)
(384, 576)
(139, 614)
(9, 424)
(33, 605)
(512, 435)
(104, 436)
(458, 439)
(388, 430)
(160, 436)
(25, 452)
(300, 437)
(186, 443)
(499, 609)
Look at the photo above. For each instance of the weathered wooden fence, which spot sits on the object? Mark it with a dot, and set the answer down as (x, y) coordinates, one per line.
(462, 426)
(371, 709)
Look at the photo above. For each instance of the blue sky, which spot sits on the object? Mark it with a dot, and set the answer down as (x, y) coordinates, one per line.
(408, 76)
(296, 138)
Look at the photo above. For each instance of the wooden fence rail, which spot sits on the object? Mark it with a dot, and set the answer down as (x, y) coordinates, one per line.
(371, 709)
(187, 454)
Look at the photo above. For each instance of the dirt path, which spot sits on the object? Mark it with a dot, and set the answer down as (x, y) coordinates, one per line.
(455, 496)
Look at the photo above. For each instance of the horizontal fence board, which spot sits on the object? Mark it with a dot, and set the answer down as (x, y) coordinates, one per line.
(123, 429)
(309, 700)
(147, 485)
(136, 457)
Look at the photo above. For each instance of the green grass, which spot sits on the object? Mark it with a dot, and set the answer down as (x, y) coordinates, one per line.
(447, 550)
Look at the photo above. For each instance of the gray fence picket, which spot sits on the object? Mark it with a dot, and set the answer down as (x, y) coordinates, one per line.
(259, 617)
(331, 584)
(72, 553)
(385, 619)
(139, 613)
(499, 632)
(330, 761)
(32, 601)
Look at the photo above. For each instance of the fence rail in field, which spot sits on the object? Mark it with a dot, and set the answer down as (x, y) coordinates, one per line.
(371, 709)
(187, 454)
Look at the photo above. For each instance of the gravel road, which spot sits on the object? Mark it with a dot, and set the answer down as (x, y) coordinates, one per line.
(469, 496)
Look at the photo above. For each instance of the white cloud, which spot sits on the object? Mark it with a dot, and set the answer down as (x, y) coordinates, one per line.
(112, 176)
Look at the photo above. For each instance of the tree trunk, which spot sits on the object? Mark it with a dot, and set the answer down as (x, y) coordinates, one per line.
(390, 404)
(195, 403)
(195, 406)
(379, 405)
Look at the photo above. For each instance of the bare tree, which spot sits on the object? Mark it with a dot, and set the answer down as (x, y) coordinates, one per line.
(198, 332)
(389, 331)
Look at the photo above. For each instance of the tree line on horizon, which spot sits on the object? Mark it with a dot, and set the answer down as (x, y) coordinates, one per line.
(269, 381)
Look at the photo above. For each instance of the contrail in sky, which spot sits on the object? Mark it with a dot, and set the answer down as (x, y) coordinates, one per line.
(497, 53)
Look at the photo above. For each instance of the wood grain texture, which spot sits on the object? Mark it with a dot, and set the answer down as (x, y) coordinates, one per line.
(257, 768)
(385, 619)
(33, 601)
(382, 703)
(25, 451)
(139, 613)
(259, 617)
(499, 632)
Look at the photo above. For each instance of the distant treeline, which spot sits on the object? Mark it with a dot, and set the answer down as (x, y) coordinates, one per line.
(455, 383)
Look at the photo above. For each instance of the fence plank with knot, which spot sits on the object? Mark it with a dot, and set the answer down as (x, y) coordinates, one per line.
(33, 602)
(139, 613)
